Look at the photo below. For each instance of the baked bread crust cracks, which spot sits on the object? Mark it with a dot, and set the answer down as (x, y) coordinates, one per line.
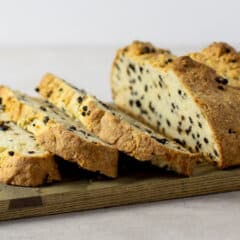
(223, 58)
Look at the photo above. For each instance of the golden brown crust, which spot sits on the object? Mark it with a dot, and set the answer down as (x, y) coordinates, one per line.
(58, 140)
(219, 103)
(220, 106)
(116, 130)
(90, 156)
(223, 58)
(29, 171)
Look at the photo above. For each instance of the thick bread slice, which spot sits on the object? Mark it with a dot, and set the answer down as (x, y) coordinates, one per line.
(58, 133)
(22, 161)
(116, 128)
(183, 99)
(224, 59)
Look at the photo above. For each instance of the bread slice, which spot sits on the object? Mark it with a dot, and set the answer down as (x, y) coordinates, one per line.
(182, 98)
(115, 127)
(22, 161)
(58, 133)
(224, 59)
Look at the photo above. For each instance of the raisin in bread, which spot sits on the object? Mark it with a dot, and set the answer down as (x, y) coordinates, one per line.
(58, 133)
(116, 128)
(183, 99)
(224, 59)
(22, 161)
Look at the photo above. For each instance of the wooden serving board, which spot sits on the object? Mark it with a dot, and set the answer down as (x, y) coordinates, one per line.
(137, 183)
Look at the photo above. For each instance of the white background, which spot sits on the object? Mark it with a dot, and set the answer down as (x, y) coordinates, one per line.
(76, 22)
(77, 40)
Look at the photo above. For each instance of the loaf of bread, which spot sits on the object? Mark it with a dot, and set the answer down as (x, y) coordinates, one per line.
(224, 59)
(22, 161)
(58, 133)
(115, 127)
(181, 98)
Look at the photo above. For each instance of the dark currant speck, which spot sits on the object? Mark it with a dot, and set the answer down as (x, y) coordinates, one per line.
(3, 127)
(43, 108)
(117, 66)
(79, 99)
(31, 152)
(132, 67)
(72, 128)
(131, 102)
(190, 120)
(179, 130)
(231, 131)
(141, 69)
(85, 108)
(84, 114)
(138, 104)
(215, 152)
(147, 49)
(46, 119)
(11, 153)
(199, 124)
(146, 88)
(160, 140)
(152, 109)
(168, 122)
(221, 80)
(188, 130)
(205, 140)
(37, 89)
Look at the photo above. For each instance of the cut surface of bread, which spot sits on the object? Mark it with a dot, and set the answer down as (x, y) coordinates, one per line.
(182, 98)
(224, 59)
(115, 127)
(58, 133)
(22, 161)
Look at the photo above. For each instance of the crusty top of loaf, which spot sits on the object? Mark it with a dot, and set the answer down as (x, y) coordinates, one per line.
(223, 58)
(146, 52)
(218, 101)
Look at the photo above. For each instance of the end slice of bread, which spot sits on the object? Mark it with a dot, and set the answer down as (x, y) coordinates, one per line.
(23, 162)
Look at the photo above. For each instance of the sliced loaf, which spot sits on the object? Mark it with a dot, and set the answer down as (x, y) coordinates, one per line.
(58, 133)
(182, 98)
(224, 59)
(116, 128)
(22, 161)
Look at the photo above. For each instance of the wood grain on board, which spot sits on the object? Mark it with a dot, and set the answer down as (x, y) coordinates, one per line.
(137, 183)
